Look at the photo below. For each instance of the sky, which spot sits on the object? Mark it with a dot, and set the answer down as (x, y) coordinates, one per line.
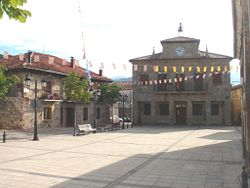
(115, 31)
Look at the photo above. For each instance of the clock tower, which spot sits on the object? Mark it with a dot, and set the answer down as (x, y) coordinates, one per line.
(180, 47)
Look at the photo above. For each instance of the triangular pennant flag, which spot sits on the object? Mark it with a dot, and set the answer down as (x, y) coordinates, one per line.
(205, 69)
(182, 69)
(102, 65)
(190, 69)
(174, 69)
(218, 68)
(198, 69)
(156, 68)
(114, 67)
(212, 69)
(165, 69)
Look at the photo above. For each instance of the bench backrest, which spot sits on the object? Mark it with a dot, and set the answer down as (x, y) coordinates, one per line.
(84, 126)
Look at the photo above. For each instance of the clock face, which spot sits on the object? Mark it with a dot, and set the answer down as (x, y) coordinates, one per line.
(179, 51)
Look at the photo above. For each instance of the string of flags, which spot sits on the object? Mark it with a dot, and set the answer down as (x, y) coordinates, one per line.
(181, 69)
(174, 74)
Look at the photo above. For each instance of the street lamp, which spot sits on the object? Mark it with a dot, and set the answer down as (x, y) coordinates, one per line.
(27, 83)
(96, 94)
(124, 99)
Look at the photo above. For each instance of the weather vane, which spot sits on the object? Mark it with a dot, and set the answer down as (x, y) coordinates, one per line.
(180, 29)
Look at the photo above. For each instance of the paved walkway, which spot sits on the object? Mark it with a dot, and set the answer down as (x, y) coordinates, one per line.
(142, 157)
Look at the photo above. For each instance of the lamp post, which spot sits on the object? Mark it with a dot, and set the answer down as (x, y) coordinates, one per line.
(96, 94)
(124, 99)
(27, 83)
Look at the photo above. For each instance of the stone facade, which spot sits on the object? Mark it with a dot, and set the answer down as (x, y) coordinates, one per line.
(17, 111)
(181, 85)
(236, 104)
(241, 17)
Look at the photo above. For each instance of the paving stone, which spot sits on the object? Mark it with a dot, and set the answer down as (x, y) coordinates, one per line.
(142, 157)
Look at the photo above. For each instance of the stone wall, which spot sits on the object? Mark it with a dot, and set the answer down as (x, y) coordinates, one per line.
(11, 113)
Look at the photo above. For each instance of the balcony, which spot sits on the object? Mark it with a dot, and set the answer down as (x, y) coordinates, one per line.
(181, 89)
(48, 96)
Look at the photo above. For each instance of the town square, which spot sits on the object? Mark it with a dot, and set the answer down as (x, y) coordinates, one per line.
(151, 94)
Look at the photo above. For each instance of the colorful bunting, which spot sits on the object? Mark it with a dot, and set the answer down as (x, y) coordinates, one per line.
(212, 69)
(190, 69)
(156, 68)
(165, 69)
(182, 69)
(174, 69)
(205, 69)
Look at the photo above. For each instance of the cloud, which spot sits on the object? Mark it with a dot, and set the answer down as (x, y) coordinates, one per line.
(116, 31)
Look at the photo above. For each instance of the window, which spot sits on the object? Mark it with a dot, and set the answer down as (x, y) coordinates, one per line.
(217, 79)
(47, 113)
(147, 109)
(144, 80)
(98, 113)
(162, 82)
(85, 114)
(164, 109)
(198, 82)
(180, 84)
(48, 88)
(215, 109)
(197, 109)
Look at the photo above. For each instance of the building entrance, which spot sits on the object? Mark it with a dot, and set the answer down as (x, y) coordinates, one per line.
(180, 113)
(70, 117)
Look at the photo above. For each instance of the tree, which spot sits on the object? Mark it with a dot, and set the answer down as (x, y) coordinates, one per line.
(6, 82)
(76, 89)
(110, 93)
(11, 8)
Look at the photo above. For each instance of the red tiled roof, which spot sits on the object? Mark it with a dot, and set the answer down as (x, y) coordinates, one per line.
(124, 84)
(45, 63)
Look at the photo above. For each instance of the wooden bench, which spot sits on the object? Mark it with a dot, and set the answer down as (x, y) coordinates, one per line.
(85, 128)
(116, 126)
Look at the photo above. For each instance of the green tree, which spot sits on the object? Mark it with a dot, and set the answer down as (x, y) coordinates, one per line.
(76, 89)
(6, 82)
(110, 93)
(11, 8)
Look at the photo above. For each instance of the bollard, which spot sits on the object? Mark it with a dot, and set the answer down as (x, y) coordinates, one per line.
(244, 179)
(4, 136)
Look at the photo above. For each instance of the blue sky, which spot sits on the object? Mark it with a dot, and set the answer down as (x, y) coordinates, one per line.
(116, 31)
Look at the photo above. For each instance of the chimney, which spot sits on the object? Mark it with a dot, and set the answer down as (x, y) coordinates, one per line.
(29, 56)
(72, 62)
(100, 72)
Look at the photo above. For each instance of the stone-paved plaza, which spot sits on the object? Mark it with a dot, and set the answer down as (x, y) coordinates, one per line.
(140, 157)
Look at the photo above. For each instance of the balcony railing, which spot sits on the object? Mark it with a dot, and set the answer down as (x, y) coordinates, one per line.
(173, 88)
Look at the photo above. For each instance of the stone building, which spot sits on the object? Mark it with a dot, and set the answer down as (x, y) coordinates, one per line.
(241, 17)
(181, 85)
(126, 90)
(17, 111)
(236, 103)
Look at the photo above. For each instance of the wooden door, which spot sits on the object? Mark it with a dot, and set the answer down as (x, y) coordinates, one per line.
(70, 117)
